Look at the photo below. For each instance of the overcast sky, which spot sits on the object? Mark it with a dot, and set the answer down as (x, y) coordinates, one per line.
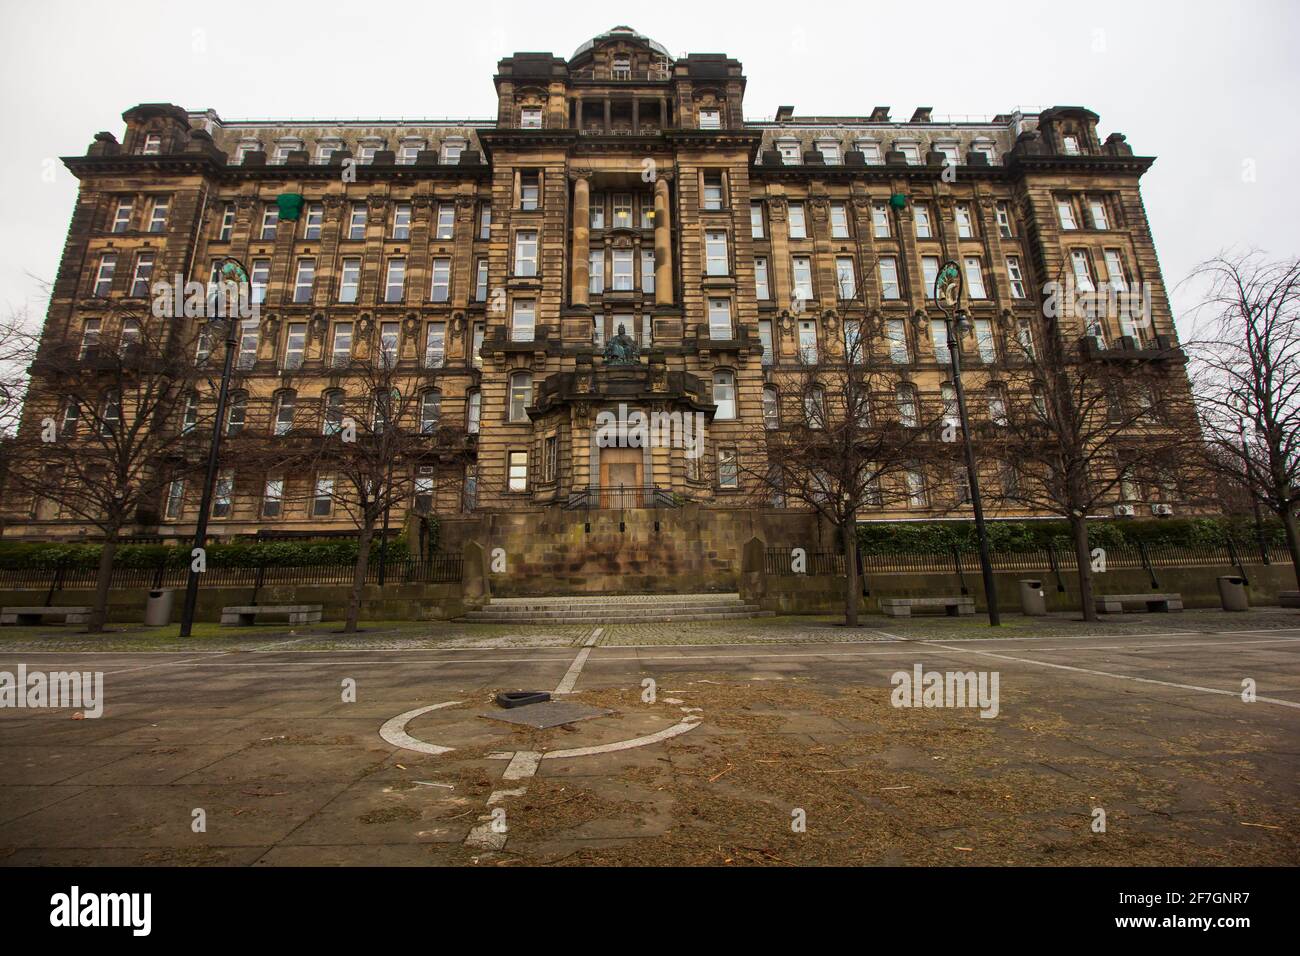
(1207, 87)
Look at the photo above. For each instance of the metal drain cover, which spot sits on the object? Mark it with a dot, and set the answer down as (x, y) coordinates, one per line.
(552, 713)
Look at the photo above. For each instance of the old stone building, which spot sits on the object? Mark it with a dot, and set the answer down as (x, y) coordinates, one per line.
(621, 189)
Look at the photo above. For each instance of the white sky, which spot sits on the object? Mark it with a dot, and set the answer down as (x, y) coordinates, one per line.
(1204, 86)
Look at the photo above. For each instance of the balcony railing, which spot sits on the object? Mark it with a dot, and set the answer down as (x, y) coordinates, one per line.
(621, 497)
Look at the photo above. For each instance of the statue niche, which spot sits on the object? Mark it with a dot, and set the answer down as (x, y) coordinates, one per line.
(622, 349)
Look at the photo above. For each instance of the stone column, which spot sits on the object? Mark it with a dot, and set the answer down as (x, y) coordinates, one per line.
(579, 277)
(663, 244)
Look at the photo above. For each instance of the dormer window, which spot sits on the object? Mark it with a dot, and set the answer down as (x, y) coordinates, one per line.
(987, 148)
(710, 118)
(366, 153)
(830, 151)
(241, 153)
(911, 153)
(325, 149)
(451, 150)
(790, 154)
(1070, 145)
(530, 117)
(871, 153)
(409, 151)
(621, 68)
(152, 145)
(282, 151)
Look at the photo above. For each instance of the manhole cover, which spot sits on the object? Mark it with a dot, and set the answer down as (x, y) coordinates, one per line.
(553, 713)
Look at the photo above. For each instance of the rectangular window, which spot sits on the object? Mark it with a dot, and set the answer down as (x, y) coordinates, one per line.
(550, 458)
(530, 189)
(402, 221)
(596, 210)
(1016, 277)
(715, 253)
(530, 117)
(89, 338)
(1004, 220)
(446, 225)
(761, 287)
(720, 320)
(871, 153)
(808, 341)
(409, 154)
(880, 220)
(526, 252)
(349, 279)
(790, 154)
(916, 496)
(389, 342)
(596, 267)
(222, 494)
(939, 339)
(798, 225)
(451, 153)
(984, 341)
(395, 281)
(713, 189)
(756, 220)
(322, 498)
(248, 344)
(929, 274)
(295, 345)
(440, 284)
(622, 210)
(853, 345)
(258, 280)
(622, 271)
(104, 277)
(122, 215)
(897, 332)
(1115, 270)
(710, 119)
(1097, 208)
(270, 221)
(523, 320)
(517, 476)
(974, 278)
(311, 222)
(728, 468)
(765, 337)
(911, 153)
(922, 214)
(485, 220)
(965, 228)
(435, 345)
(845, 279)
(158, 215)
(175, 499)
(341, 350)
(647, 270)
(357, 221)
(143, 273)
(830, 153)
(839, 221)
(284, 409)
(273, 498)
(802, 271)
(1065, 210)
(304, 280)
(647, 211)
(477, 348)
(422, 503)
(889, 278)
(481, 280)
(1082, 270)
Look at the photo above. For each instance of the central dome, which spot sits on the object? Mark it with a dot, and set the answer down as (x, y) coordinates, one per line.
(624, 33)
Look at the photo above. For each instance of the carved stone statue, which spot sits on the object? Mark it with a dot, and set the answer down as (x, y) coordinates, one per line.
(622, 349)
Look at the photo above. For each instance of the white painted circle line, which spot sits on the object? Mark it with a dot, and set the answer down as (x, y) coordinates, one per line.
(394, 730)
(689, 723)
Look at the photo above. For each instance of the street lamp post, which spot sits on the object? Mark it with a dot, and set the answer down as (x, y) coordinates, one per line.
(234, 269)
(947, 292)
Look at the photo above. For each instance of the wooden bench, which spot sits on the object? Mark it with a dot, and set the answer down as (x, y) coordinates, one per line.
(1288, 598)
(37, 615)
(247, 616)
(952, 606)
(1115, 603)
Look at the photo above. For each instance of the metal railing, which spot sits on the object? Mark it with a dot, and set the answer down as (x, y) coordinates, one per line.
(621, 497)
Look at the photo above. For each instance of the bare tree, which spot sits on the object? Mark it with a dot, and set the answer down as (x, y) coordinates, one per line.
(849, 434)
(19, 338)
(97, 440)
(1079, 427)
(1246, 379)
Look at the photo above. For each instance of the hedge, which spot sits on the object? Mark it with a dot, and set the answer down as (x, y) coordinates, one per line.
(17, 554)
(881, 537)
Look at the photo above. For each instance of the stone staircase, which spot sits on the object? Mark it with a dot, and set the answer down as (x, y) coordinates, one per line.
(615, 609)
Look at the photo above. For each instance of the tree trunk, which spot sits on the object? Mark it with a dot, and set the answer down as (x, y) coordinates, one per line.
(359, 578)
(852, 597)
(1292, 539)
(103, 584)
(1083, 555)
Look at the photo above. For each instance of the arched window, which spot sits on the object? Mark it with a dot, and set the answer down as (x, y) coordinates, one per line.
(724, 394)
(430, 411)
(771, 407)
(814, 406)
(997, 399)
(285, 404)
(951, 415)
(1038, 395)
(473, 411)
(521, 395)
(237, 413)
(71, 415)
(332, 420)
(110, 413)
(905, 397)
(388, 405)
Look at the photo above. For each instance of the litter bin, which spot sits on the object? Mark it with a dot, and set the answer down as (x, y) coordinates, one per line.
(1032, 601)
(1232, 592)
(158, 609)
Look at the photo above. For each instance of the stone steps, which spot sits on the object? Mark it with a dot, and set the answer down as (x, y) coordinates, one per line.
(616, 609)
